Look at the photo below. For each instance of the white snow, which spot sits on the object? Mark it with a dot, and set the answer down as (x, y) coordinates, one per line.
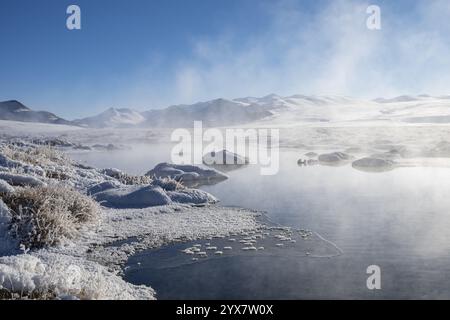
(63, 276)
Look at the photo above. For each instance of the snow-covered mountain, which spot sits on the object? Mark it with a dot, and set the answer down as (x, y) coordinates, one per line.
(270, 110)
(219, 112)
(113, 118)
(301, 109)
(16, 111)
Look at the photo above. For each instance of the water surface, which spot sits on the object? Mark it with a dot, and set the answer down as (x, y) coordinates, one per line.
(398, 220)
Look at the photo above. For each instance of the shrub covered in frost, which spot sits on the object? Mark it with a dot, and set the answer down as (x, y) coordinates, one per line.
(34, 155)
(43, 216)
(168, 184)
(126, 178)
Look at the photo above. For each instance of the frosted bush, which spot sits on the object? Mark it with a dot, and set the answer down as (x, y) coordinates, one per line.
(126, 178)
(43, 216)
(38, 155)
(168, 184)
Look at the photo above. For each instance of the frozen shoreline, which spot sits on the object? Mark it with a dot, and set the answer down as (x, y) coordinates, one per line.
(92, 257)
(88, 266)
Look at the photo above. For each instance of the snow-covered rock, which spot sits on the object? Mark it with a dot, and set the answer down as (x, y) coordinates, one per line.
(21, 180)
(373, 164)
(102, 186)
(311, 154)
(5, 187)
(334, 158)
(194, 196)
(185, 173)
(150, 196)
(133, 197)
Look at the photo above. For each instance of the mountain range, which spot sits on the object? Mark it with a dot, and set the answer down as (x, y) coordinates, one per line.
(265, 111)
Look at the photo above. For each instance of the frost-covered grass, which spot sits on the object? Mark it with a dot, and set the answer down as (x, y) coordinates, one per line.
(126, 178)
(129, 179)
(43, 216)
(50, 276)
(169, 184)
(38, 155)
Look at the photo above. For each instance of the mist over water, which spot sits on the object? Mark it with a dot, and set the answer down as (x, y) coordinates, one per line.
(397, 220)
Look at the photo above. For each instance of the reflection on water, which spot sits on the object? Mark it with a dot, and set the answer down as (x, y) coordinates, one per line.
(398, 220)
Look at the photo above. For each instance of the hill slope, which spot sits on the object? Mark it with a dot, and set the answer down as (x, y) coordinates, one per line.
(113, 118)
(16, 111)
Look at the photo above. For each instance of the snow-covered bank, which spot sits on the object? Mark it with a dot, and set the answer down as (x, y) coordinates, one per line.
(59, 276)
(157, 226)
(84, 263)
(89, 268)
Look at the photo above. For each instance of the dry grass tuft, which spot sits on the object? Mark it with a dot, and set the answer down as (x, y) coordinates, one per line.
(43, 216)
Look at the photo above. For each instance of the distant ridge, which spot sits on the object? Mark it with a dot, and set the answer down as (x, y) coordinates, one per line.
(113, 118)
(270, 110)
(16, 111)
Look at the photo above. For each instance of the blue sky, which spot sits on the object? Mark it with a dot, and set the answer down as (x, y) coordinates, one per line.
(152, 53)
